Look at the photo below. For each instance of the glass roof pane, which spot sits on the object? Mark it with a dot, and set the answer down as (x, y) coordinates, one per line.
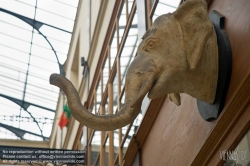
(43, 52)
(12, 83)
(37, 91)
(40, 81)
(73, 3)
(58, 45)
(6, 134)
(9, 71)
(18, 7)
(7, 60)
(41, 113)
(32, 137)
(9, 107)
(44, 64)
(47, 128)
(7, 90)
(9, 19)
(26, 126)
(55, 34)
(27, 60)
(29, 2)
(57, 8)
(39, 40)
(40, 72)
(12, 54)
(18, 44)
(61, 57)
(32, 98)
(50, 18)
(14, 31)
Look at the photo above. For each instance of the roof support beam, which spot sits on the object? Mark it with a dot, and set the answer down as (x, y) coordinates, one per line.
(20, 132)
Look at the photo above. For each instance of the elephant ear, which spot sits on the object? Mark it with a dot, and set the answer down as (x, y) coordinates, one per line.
(196, 29)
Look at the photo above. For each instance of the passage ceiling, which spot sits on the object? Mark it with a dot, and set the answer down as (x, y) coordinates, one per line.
(34, 42)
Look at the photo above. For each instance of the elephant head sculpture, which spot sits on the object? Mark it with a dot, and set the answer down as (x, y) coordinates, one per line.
(178, 54)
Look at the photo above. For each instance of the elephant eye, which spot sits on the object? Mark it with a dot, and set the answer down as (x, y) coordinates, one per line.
(151, 44)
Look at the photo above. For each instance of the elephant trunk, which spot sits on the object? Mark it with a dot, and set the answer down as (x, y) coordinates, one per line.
(100, 122)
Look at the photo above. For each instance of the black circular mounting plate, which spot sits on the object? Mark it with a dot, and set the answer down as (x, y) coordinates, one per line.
(208, 111)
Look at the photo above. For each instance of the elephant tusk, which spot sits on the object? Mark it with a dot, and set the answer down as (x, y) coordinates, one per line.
(98, 122)
(175, 97)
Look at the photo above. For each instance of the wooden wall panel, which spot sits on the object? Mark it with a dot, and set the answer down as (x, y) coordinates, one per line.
(179, 133)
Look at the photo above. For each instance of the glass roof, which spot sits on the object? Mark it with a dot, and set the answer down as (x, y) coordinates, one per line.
(35, 37)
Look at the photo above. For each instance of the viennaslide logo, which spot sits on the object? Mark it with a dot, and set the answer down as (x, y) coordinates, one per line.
(234, 156)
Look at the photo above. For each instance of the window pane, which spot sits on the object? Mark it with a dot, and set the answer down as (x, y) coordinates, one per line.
(115, 94)
(98, 96)
(107, 106)
(122, 21)
(164, 7)
(116, 143)
(107, 152)
(130, 4)
(95, 146)
(105, 74)
(92, 107)
(129, 50)
(113, 48)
